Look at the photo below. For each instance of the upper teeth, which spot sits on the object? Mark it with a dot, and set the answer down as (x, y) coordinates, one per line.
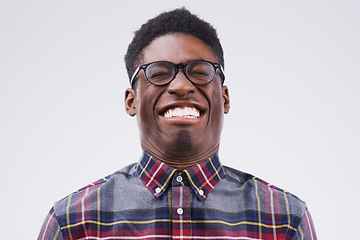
(187, 112)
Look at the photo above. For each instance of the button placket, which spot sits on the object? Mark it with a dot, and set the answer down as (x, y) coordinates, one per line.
(181, 200)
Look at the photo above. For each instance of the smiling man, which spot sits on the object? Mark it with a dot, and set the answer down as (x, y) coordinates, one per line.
(178, 189)
(179, 100)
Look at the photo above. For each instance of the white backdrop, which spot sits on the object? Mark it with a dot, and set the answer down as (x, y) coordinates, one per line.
(292, 68)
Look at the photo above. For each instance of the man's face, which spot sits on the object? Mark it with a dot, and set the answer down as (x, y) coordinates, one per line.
(179, 120)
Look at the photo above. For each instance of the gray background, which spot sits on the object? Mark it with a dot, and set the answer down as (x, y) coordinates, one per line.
(292, 68)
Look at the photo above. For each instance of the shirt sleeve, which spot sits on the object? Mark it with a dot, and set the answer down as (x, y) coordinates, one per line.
(50, 230)
(306, 229)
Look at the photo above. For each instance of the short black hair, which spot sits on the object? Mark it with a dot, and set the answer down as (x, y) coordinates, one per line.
(176, 21)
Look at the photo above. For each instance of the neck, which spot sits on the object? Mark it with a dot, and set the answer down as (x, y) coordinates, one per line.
(181, 160)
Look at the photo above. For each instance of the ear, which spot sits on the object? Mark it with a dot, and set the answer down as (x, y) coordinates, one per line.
(226, 99)
(130, 101)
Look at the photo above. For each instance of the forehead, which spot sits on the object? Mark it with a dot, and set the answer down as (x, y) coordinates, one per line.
(177, 48)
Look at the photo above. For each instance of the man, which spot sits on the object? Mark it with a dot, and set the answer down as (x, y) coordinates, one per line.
(179, 189)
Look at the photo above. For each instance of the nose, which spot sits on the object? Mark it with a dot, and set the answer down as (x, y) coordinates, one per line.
(180, 85)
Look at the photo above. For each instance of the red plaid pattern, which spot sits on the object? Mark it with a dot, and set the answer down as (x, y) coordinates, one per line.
(152, 200)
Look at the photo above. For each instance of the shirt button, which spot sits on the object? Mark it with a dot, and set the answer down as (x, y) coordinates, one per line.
(158, 190)
(180, 211)
(179, 179)
(201, 192)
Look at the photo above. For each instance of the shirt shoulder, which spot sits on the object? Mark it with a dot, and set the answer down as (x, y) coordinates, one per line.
(264, 193)
(265, 203)
(86, 197)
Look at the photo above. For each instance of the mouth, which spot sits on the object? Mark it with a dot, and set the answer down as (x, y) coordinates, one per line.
(182, 113)
(188, 112)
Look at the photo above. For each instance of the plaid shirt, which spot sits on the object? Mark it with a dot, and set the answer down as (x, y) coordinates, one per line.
(151, 200)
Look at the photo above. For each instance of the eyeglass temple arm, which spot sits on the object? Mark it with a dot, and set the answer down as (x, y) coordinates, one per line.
(134, 75)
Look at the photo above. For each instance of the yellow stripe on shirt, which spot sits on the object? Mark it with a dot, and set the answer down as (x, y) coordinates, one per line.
(183, 221)
(258, 206)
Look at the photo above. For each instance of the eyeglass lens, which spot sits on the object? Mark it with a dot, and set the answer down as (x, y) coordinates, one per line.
(198, 72)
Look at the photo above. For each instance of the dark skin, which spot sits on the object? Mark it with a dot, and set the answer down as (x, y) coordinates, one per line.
(180, 142)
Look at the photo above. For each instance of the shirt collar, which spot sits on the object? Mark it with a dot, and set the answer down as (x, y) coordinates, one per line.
(203, 177)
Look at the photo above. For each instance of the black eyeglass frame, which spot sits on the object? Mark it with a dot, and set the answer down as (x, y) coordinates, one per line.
(176, 67)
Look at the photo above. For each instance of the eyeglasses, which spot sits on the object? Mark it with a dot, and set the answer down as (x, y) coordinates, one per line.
(163, 72)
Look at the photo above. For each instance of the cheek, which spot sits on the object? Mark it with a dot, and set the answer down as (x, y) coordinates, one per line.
(217, 110)
(145, 120)
(216, 102)
(146, 98)
(145, 112)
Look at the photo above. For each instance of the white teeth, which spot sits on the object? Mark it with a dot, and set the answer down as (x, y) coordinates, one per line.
(184, 112)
